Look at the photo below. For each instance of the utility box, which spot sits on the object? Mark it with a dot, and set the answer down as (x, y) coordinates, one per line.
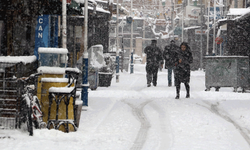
(226, 71)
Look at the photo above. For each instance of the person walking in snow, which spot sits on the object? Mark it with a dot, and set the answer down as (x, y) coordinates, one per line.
(154, 58)
(169, 55)
(182, 69)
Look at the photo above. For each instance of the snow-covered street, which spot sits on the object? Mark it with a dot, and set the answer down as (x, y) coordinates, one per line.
(128, 115)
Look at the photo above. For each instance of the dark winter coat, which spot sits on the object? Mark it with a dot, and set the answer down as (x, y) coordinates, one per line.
(182, 70)
(169, 54)
(154, 56)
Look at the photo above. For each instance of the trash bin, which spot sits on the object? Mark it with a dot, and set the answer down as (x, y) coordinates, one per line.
(93, 78)
(105, 79)
(126, 63)
(226, 71)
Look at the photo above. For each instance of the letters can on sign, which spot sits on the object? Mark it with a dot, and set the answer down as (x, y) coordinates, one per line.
(40, 27)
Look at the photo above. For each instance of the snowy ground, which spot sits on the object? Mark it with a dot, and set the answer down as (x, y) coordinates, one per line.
(129, 115)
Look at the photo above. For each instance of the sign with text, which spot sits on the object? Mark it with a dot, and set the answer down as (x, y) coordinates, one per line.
(192, 12)
(198, 31)
(46, 33)
(217, 11)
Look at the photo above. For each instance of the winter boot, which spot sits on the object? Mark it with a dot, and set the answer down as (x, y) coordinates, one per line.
(148, 85)
(170, 84)
(187, 89)
(177, 93)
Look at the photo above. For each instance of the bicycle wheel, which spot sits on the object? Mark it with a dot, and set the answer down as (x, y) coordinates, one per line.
(37, 114)
(25, 116)
(29, 122)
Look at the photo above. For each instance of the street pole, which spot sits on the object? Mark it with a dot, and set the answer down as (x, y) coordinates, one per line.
(208, 16)
(122, 61)
(214, 27)
(117, 40)
(64, 24)
(172, 17)
(201, 49)
(85, 83)
(182, 23)
(143, 32)
(131, 42)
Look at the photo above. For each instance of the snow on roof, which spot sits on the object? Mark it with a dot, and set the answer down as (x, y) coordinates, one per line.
(244, 15)
(83, 1)
(52, 50)
(102, 10)
(192, 27)
(51, 70)
(101, 1)
(99, 9)
(238, 11)
(17, 59)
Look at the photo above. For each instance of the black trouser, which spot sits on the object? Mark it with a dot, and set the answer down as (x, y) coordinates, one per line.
(152, 72)
(178, 86)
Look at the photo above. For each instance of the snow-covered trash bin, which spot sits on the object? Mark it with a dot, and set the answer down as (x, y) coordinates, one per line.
(98, 63)
(226, 71)
(106, 72)
(93, 78)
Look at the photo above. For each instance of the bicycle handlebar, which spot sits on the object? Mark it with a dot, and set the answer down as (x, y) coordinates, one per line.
(31, 77)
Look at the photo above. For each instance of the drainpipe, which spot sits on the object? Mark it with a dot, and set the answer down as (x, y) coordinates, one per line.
(235, 3)
(214, 27)
(208, 30)
(117, 40)
(85, 83)
(64, 24)
(131, 42)
(172, 18)
(201, 49)
(182, 22)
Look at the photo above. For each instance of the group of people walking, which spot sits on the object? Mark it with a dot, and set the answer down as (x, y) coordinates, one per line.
(177, 59)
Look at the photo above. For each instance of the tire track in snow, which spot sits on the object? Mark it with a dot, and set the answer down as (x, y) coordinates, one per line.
(223, 114)
(137, 111)
(166, 133)
(243, 131)
(145, 125)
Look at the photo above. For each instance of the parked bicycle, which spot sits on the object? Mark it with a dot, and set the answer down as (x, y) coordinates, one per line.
(30, 113)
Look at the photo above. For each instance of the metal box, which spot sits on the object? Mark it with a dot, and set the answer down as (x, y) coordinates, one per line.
(226, 71)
